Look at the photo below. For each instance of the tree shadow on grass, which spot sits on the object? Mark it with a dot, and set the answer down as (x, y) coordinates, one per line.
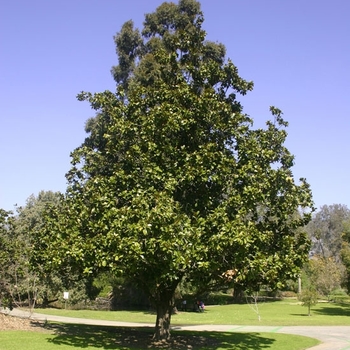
(334, 310)
(328, 310)
(303, 314)
(84, 336)
(239, 341)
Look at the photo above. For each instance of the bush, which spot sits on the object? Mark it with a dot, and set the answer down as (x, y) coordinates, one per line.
(217, 299)
(288, 294)
(210, 298)
(339, 296)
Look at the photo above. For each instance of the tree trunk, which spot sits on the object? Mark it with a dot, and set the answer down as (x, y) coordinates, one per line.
(238, 294)
(45, 302)
(164, 302)
(164, 309)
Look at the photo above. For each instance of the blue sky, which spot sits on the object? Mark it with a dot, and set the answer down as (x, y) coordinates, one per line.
(296, 52)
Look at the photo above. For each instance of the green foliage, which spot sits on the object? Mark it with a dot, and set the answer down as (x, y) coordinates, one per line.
(309, 298)
(104, 282)
(324, 274)
(19, 281)
(28, 221)
(173, 181)
(345, 251)
(325, 230)
(339, 296)
(329, 231)
(209, 298)
(291, 286)
(6, 261)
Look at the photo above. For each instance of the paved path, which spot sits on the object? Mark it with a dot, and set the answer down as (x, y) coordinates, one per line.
(332, 337)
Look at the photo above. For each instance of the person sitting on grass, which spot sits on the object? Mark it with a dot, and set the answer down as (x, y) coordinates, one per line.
(199, 306)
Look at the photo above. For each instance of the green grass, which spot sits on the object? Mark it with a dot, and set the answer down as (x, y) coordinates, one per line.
(92, 337)
(280, 313)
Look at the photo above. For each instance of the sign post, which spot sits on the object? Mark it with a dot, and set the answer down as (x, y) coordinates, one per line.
(65, 297)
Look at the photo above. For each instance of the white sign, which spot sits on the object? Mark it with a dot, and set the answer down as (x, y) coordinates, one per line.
(65, 295)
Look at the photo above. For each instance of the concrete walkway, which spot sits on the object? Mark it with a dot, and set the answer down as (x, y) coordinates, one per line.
(332, 337)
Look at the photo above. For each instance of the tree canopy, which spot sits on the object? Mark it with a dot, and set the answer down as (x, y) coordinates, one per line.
(327, 231)
(326, 228)
(345, 250)
(20, 282)
(173, 181)
(8, 257)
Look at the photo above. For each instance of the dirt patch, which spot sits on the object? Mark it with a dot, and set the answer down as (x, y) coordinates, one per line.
(8, 322)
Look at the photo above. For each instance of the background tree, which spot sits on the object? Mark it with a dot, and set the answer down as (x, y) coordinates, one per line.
(172, 181)
(325, 230)
(345, 251)
(308, 298)
(329, 245)
(7, 259)
(324, 275)
(19, 282)
(48, 283)
(27, 221)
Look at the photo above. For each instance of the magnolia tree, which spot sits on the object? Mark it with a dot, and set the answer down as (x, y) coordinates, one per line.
(173, 181)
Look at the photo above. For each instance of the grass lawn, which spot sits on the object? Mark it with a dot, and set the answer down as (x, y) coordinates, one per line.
(64, 337)
(279, 313)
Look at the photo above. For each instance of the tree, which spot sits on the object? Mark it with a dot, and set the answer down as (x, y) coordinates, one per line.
(329, 245)
(17, 281)
(20, 282)
(324, 274)
(28, 221)
(44, 284)
(7, 259)
(308, 298)
(326, 228)
(173, 181)
(345, 251)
